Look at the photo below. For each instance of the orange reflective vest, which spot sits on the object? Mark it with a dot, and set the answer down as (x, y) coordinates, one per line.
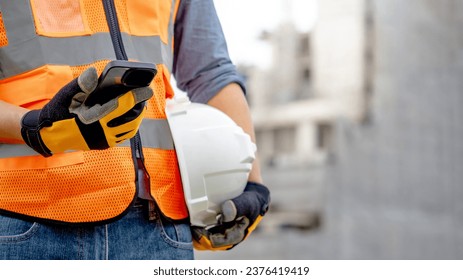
(44, 45)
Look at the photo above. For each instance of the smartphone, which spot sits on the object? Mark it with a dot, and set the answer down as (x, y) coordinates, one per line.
(119, 77)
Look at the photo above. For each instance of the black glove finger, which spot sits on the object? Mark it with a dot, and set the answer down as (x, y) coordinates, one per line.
(198, 232)
(129, 116)
(232, 235)
(225, 234)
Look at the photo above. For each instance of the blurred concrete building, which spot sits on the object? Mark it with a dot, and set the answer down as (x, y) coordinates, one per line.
(395, 188)
(315, 79)
(360, 122)
(291, 127)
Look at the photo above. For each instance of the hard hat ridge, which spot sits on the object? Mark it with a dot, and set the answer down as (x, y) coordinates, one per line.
(214, 154)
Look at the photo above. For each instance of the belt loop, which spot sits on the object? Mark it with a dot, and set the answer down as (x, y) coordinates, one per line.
(152, 215)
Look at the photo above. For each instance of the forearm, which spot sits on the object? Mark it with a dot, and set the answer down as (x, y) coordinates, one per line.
(10, 119)
(232, 102)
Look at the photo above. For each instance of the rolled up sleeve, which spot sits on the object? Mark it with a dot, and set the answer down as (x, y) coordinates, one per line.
(202, 66)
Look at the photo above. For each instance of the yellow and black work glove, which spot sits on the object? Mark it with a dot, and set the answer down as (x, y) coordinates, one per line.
(66, 123)
(239, 218)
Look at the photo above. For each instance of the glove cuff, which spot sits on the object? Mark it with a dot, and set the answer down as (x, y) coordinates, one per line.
(30, 132)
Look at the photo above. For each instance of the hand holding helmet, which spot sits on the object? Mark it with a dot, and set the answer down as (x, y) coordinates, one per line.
(215, 158)
(239, 218)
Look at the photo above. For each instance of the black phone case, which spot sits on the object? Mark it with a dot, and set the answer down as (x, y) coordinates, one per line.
(119, 77)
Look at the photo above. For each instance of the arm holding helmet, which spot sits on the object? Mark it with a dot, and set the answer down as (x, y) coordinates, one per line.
(231, 100)
(242, 214)
(209, 76)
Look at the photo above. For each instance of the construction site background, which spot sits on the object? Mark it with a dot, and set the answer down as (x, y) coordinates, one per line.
(359, 129)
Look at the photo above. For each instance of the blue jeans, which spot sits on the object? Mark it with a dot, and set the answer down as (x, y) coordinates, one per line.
(131, 237)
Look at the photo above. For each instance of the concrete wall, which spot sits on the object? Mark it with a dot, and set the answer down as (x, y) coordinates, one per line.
(338, 55)
(396, 187)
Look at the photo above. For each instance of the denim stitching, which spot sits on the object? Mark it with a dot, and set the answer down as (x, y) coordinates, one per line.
(170, 241)
(20, 237)
(106, 242)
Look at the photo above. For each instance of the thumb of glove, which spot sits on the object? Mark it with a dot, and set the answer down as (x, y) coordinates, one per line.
(229, 211)
(88, 80)
(254, 201)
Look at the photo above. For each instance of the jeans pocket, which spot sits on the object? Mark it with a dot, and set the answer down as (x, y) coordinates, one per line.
(176, 234)
(16, 230)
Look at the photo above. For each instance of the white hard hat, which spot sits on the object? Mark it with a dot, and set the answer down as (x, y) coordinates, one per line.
(214, 154)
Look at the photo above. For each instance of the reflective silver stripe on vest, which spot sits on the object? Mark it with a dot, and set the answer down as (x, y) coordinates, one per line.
(15, 150)
(154, 134)
(26, 50)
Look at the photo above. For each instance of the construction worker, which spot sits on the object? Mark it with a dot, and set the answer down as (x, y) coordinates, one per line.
(70, 173)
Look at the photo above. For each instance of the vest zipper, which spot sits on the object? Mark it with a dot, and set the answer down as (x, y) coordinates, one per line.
(114, 29)
(141, 174)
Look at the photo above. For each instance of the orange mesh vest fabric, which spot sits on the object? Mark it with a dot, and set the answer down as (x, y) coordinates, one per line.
(95, 186)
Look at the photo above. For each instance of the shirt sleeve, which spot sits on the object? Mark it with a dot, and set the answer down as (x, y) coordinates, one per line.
(202, 66)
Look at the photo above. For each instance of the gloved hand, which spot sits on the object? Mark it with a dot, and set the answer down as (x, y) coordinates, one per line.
(239, 218)
(66, 123)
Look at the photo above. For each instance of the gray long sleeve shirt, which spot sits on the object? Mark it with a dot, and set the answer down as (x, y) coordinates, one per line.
(202, 66)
